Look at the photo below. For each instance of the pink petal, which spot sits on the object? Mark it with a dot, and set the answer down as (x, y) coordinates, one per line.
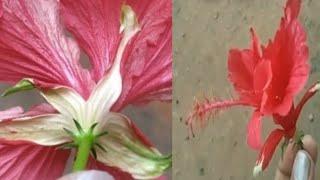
(147, 61)
(33, 45)
(267, 150)
(95, 25)
(254, 131)
(32, 162)
(11, 113)
(18, 112)
(43, 108)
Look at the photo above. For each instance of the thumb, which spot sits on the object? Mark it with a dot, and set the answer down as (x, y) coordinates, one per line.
(303, 167)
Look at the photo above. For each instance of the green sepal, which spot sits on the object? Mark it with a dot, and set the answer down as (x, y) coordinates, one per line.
(101, 147)
(78, 126)
(94, 153)
(23, 85)
(68, 146)
(102, 134)
(284, 146)
(69, 132)
(298, 139)
(93, 126)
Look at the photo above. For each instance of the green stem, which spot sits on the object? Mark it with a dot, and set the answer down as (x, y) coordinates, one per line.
(84, 148)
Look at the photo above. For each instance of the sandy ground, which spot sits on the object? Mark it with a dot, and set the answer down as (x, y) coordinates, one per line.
(204, 31)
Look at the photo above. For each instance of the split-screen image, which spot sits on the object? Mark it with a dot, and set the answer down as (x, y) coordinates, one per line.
(159, 89)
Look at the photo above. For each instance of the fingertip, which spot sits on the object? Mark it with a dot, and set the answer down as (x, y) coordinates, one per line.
(310, 145)
(286, 162)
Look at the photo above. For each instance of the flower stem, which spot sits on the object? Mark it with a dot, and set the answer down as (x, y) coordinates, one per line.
(84, 148)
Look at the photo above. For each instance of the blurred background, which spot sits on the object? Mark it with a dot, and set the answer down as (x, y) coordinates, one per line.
(204, 31)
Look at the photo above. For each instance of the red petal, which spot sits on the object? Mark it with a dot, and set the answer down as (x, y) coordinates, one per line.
(256, 46)
(32, 162)
(254, 131)
(292, 9)
(242, 66)
(268, 149)
(95, 25)
(33, 45)
(147, 62)
(289, 61)
(262, 76)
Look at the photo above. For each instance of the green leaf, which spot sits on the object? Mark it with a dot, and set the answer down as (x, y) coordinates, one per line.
(23, 85)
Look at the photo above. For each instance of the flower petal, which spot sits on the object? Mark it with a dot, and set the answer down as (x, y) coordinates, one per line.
(95, 25)
(68, 102)
(11, 113)
(147, 62)
(18, 112)
(241, 66)
(43, 129)
(32, 162)
(254, 131)
(33, 45)
(267, 151)
(292, 9)
(109, 88)
(104, 95)
(262, 76)
(125, 149)
(288, 53)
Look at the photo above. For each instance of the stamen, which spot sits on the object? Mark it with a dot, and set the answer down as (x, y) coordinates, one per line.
(203, 111)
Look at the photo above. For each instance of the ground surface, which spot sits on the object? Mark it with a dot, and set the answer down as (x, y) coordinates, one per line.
(204, 31)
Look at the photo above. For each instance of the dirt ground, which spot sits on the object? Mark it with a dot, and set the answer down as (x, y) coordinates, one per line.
(204, 31)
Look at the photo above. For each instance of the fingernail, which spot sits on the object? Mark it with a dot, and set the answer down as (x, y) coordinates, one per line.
(301, 166)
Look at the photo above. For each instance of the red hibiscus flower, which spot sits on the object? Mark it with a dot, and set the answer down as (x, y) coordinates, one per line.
(267, 79)
(129, 48)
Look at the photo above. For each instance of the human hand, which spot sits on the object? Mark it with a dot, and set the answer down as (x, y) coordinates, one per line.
(298, 164)
(87, 175)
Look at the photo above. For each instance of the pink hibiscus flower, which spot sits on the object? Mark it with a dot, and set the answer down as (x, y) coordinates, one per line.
(267, 79)
(129, 48)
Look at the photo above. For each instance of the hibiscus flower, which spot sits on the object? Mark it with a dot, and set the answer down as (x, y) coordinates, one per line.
(129, 48)
(267, 79)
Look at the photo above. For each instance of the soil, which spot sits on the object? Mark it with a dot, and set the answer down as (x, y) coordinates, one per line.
(204, 31)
